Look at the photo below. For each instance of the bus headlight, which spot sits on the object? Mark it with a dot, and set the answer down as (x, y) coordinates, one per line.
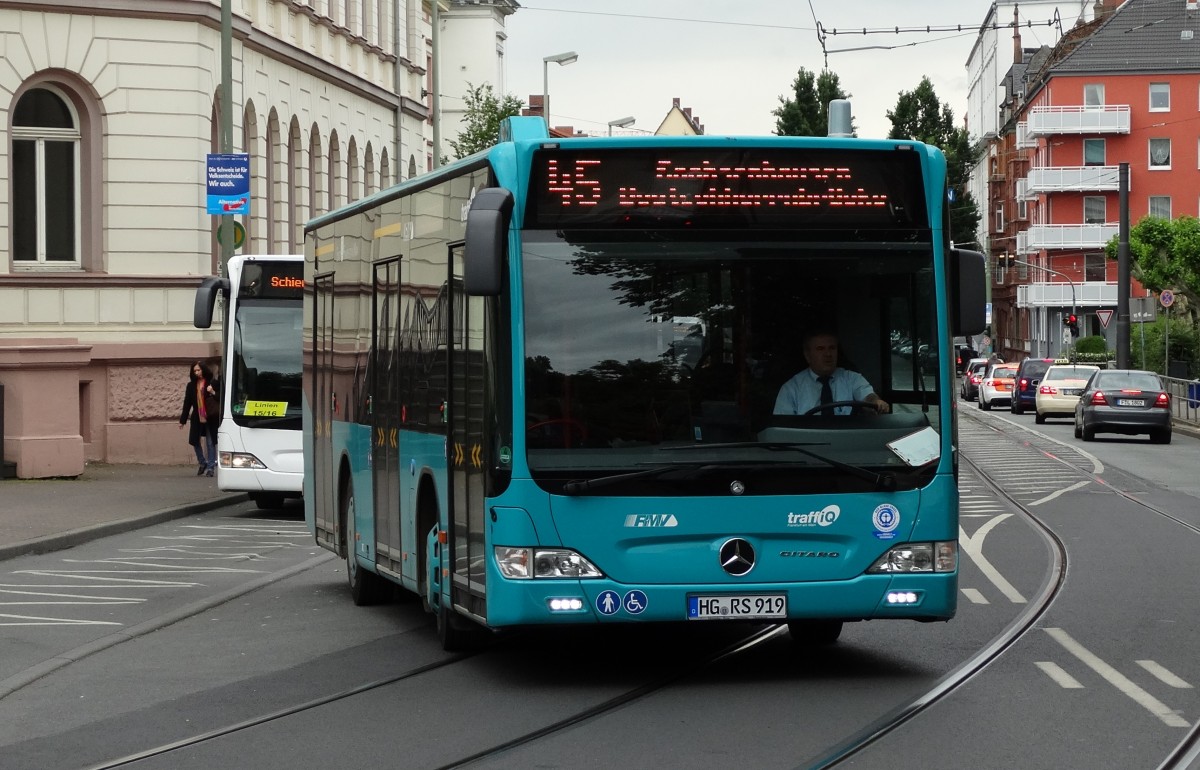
(528, 563)
(240, 460)
(941, 556)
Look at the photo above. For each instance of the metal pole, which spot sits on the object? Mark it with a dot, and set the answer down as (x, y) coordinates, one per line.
(1123, 271)
(225, 228)
(436, 82)
(546, 91)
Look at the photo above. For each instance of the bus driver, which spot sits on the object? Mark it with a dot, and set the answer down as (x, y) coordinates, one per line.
(824, 382)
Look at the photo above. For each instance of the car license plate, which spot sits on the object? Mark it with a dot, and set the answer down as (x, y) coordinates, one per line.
(1070, 391)
(1130, 402)
(737, 606)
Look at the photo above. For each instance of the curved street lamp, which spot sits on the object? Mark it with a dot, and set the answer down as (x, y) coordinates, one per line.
(620, 123)
(561, 59)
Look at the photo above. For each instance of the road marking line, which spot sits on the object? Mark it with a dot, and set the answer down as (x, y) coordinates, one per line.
(973, 547)
(1118, 680)
(974, 595)
(1163, 675)
(1060, 677)
(1053, 495)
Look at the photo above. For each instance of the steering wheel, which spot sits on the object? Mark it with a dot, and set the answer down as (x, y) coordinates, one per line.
(565, 425)
(856, 407)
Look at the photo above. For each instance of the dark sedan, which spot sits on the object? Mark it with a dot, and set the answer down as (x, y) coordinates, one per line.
(1124, 401)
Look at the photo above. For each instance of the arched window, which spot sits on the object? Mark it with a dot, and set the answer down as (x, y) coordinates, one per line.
(353, 174)
(45, 179)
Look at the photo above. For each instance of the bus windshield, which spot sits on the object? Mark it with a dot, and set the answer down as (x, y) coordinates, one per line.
(644, 352)
(265, 372)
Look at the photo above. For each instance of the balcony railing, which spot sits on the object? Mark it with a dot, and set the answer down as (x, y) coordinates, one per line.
(1052, 179)
(1078, 119)
(1058, 294)
(1024, 140)
(1040, 237)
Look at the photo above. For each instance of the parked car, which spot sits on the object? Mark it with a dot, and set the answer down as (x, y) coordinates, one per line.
(1029, 374)
(1059, 390)
(996, 387)
(968, 388)
(1124, 401)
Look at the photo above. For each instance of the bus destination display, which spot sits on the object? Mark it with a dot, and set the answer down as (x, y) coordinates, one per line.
(273, 279)
(711, 187)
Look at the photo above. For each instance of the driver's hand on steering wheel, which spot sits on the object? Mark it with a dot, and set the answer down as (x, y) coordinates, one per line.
(882, 406)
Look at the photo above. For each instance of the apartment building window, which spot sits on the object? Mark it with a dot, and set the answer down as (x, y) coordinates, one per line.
(1160, 153)
(1094, 266)
(1022, 209)
(1094, 209)
(45, 179)
(1093, 95)
(1160, 206)
(998, 223)
(1094, 153)
(1160, 97)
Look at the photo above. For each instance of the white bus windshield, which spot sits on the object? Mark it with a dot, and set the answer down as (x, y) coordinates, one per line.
(266, 367)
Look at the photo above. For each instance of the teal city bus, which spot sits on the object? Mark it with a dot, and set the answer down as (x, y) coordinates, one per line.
(540, 384)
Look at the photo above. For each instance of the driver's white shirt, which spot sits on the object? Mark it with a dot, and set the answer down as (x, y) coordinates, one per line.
(803, 392)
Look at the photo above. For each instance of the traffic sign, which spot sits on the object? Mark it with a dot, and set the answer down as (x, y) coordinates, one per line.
(1166, 298)
(1105, 316)
(239, 234)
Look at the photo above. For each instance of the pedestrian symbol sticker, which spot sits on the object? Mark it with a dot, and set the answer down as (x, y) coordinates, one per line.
(608, 602)
(635, 602)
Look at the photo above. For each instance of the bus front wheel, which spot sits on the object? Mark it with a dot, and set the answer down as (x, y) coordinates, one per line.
(266, 501)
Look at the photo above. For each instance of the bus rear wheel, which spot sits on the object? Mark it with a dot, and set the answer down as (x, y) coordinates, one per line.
(365, 586)
(812, 633)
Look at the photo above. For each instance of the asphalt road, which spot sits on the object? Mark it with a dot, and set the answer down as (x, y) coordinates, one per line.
(224, 618)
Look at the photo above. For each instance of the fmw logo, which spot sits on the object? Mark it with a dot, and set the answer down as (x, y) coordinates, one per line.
(651, 520)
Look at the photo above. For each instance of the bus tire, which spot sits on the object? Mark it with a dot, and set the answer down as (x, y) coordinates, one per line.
(266, 501)
(813, 633)
(366, 587)
(457, 633)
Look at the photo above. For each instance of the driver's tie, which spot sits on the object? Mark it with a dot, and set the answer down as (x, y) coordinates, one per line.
(826, 390)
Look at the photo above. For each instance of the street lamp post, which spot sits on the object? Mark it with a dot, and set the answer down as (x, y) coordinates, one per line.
(560, 59)
(1066, 277)
(620, 123)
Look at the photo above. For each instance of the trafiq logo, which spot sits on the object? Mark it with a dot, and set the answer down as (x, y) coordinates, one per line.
(821, 518)
(651, 520)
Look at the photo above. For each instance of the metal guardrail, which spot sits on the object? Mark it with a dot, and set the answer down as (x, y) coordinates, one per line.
(1185, 399)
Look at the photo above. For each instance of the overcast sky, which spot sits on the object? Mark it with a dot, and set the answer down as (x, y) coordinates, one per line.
(731, 60)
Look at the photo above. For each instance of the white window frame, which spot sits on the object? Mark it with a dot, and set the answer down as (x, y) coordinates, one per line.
(1159, 89)
(998, 222)
(1097, 89)
(1104, 214)
(1103, 152)
(1150, 164)
(1150, 202)
(40, 135)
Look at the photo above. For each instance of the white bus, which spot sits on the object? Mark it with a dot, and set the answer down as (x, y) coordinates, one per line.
(259, 440)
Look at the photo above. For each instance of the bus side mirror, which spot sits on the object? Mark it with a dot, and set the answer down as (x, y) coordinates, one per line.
(206, 297)
(968, 284)
(487, 235)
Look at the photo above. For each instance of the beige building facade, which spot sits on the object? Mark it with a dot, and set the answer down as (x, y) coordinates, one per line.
(110, 110)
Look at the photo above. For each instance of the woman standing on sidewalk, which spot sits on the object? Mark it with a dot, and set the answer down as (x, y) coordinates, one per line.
(200, 400)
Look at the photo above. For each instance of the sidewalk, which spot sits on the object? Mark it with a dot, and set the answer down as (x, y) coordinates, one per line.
(40, 515)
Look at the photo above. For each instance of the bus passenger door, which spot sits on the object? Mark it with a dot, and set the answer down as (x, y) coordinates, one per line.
(385, 413)
(324, 481)
(466, 445)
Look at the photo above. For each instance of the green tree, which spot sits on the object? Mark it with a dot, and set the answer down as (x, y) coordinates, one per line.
(807, 113)
(920, 115)
(1148, 343)
(482, 119)
(1165, 254)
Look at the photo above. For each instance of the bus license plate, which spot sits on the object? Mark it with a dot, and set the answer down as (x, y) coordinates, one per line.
(1130, 402)
(737, 606)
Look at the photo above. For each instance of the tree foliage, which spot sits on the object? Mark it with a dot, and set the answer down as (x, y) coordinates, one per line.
(920, 115)
(482, 119)
(807, 112)
(1165, 254)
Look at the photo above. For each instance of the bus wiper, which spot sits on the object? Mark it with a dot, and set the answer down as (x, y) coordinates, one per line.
(885, 482)
(576, 487)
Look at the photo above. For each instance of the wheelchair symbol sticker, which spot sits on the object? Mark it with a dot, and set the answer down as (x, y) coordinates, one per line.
(635, 602)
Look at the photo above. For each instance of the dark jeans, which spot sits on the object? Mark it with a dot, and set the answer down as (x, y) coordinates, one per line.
(211, 462)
